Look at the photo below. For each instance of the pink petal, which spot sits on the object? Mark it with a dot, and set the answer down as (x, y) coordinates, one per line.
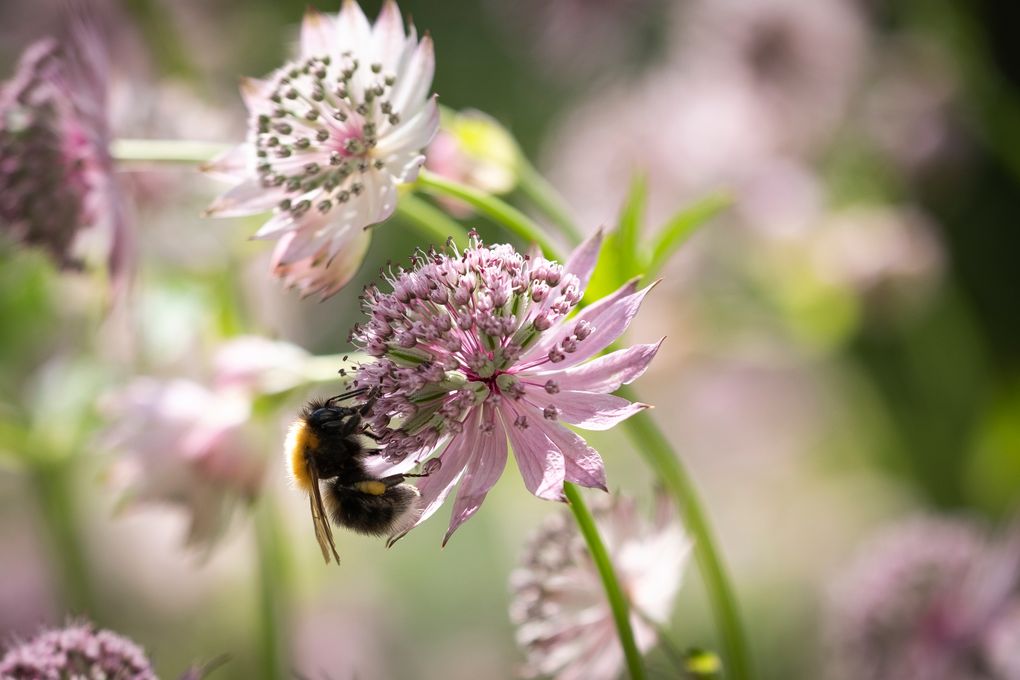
(602, 374)
(247, 198)
(593, 311)
(483, 470)
(388, 33)
(436, 487)
(255, 93)
(231, 165)
(413, 84)
(318, 34)
(539, 460)
(412, 134)
(610, 321)
(589, 410)
(583, 464)
(582, 261)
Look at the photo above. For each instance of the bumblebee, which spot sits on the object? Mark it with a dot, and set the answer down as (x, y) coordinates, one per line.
(327, 450)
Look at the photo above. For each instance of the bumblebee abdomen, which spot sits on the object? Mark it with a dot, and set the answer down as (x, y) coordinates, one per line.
(300, 440)
(371, 513)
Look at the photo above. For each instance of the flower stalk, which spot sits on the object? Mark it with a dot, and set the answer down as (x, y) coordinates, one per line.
(165, 150)
(618, 602)
(499, 211)
(272, 576)
(659, 454)
(430, 221)
(53, 486)
(545, 197)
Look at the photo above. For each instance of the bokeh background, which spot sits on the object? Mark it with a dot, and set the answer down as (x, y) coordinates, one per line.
(843, 343)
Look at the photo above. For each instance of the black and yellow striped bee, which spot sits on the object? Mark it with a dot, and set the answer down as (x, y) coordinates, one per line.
(327, 449)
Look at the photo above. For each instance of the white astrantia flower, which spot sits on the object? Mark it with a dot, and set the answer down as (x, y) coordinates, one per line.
(331, 135)
(564, 623)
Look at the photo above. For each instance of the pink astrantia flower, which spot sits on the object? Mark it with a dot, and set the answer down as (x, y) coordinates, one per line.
(474, 347)
(930, 598)
(58, 190)
(564, 623)
(183, 444)
(331, 135)
(76, 651)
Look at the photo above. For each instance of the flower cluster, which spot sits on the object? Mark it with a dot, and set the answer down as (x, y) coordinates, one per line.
(183, 444)
(57, 187)
(77, 651)
(476, 346)
(564, 623)
(331, 135)
(930, 598)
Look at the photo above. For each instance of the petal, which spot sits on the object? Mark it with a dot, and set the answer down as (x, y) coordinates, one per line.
(582, 261)
(539, 460)
(247, 198)
(231, 165)
(388, 35)
(554, 336)
(602, 374)
(436, 487)
(590, 410)
(582, 464)
(318, 34)
(255, 93)
(415, 80)
(482, 472)
(413, 134)
(274, 226)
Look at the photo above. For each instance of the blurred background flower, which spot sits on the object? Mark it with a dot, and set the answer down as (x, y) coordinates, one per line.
(564, 624)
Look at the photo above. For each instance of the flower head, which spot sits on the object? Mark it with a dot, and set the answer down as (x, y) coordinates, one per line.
(930, 598)
(57, 185)
(77, 651)
(331, 135)
(183, 445)
(477, 346)
(564, 623)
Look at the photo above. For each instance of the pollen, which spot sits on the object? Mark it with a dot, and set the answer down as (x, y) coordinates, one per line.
(373, 487)
(299, 441)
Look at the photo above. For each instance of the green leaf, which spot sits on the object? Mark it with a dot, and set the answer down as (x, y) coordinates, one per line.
(628, 231)
(680, 228)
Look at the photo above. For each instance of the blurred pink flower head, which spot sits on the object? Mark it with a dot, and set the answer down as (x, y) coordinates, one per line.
(799, 60)
(929, 598)
(473, 347)
(57, 185)
(76, 651)
(257, 365)
(182, 444)
(564, 623)
(331, 135)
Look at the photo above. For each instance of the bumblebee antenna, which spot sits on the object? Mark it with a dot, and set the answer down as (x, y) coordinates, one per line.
(343, 396)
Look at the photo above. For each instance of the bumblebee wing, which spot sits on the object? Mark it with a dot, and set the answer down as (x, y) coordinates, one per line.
(323, 532)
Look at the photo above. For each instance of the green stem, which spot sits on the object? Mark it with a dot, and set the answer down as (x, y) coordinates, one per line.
(490, 206)
(657, 450)
(545, 197)
(165, 150)
(271, 587)
(430, 221)
(614, 593)
(56, 495)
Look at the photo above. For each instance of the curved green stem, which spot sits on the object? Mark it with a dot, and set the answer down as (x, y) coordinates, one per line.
(657, 450)
(490, 206)
(618, 602)
(165, 150)
(430, 221)
(545, 197)
(271, 588)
